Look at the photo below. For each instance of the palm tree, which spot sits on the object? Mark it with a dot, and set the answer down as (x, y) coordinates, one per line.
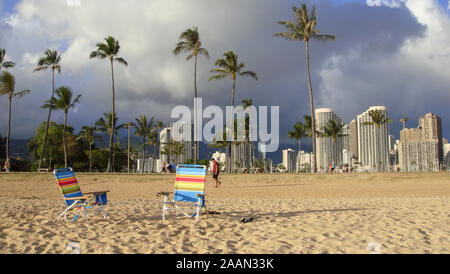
(299, 131)
(230, 67)
(404, 120)
(190, 42)
(159, 125)
(51, 59)
(110, 50)
(144, 129)
(7, 86)
(3, 63)
(378, 119)
(308, 127)
(64, 100)
(128, 126)
(153, 141)
(103, 125)
(332, 130)
(304, 29)
(87, 133)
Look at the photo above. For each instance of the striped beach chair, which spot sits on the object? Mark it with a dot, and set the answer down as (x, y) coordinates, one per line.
(189, 194)
(74, 199)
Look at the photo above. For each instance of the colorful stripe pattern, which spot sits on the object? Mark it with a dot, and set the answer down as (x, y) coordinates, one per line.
(190, 181)
(68, 184)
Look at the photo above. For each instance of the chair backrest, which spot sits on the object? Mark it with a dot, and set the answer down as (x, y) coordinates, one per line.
(190, 181)
(68, 184)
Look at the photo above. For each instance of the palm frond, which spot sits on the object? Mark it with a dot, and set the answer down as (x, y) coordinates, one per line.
(249, 74)
(121, 61)
(20, 94)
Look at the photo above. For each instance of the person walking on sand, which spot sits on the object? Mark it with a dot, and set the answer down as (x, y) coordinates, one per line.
(216, 171)
(7, 166)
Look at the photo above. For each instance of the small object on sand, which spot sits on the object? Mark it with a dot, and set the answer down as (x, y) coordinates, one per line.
(246, 220)
(211, 212)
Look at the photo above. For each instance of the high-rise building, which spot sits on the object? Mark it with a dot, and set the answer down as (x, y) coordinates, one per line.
(392, 151)
(432, 132)
(303, 162)
(181, 133)
(447, 156)
(290, 160)
(327, 151)
(373, 142)
(353, 136)
(421, 148)
(164, 140)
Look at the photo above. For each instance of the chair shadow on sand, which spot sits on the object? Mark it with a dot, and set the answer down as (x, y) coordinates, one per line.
(288, 214)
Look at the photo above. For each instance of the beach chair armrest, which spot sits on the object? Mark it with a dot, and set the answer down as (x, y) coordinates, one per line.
(96, 192)
(201, 195)
(165, 193)
(76, 198)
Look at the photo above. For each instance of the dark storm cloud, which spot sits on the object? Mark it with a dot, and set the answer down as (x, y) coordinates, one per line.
(155, 80)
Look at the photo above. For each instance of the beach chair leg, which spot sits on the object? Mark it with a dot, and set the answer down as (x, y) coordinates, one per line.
(65, 212)
(104, 213)
(198, 210)
(85, 214)
(164, 207)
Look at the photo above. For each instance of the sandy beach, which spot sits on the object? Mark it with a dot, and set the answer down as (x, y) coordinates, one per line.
(339, 213)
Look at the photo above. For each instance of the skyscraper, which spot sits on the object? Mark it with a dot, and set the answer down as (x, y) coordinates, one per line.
(182, 133)
(164, 140)
(373, 142)
(421, 148)
(290, 160)
(431, 126)
(327, 150)
(353, 136)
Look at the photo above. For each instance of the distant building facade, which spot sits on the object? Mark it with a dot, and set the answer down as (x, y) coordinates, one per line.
(421, 149)
(431, 126)
(447, 156)
(353, 138)
(290, 160)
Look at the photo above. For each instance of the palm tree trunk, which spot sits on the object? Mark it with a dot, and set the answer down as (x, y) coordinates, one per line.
(48, 119)
(299, 154)
(9, 129)
(90, 157)
(313, 118)
(143, 156)
(230, 149)
(64, 139)
(111, 138)
(128, 149)
(196, 147)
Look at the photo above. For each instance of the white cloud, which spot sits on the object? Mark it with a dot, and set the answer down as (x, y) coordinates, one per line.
(389, 3)
(73, 3)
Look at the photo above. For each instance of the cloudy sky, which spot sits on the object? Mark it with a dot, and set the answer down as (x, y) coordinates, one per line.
(388, 52)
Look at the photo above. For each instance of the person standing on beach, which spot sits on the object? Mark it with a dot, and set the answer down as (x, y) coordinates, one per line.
(216, 171)
(7, 166)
